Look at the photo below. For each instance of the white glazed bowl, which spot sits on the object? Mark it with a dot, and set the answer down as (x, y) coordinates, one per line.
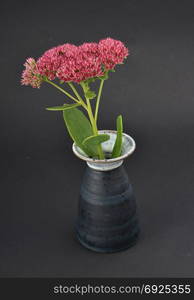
(128, 147)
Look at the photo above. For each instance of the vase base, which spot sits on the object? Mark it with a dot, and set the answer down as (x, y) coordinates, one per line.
(109, 250)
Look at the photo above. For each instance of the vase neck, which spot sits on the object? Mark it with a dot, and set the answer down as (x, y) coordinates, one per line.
(105, 166)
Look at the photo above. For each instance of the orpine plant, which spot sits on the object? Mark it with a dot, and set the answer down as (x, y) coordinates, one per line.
(82, 65)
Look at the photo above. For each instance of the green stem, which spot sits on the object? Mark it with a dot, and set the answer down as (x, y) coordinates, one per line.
(98, 99)
(77, 94)
(94, 126)
(88, 108)
(62, 90)
(90, 114)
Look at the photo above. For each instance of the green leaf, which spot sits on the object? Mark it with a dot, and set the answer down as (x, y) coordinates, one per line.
(96, 140)
(118, 143)
(79, 128)
(90, 94)
(90, 80)
(104, 77)
(63, 107)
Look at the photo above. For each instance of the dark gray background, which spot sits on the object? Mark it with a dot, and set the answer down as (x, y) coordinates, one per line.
(40, 177)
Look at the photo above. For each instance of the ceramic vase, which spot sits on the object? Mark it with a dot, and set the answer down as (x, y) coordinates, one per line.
(107, 216)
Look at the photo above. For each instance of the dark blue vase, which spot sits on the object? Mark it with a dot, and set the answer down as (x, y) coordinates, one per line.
(107, 217)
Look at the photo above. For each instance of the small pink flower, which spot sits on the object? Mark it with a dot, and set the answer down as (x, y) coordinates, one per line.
(31, 75)
(112, 52)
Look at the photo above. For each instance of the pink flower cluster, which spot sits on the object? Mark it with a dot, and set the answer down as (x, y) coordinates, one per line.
(77, 63)
(84, 63)
(53, 59)
(31, 75)
(112, 52)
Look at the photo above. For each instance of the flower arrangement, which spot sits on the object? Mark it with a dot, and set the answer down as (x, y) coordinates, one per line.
(82, 65)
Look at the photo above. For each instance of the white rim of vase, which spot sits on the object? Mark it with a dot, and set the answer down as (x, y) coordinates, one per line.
(106, 160)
